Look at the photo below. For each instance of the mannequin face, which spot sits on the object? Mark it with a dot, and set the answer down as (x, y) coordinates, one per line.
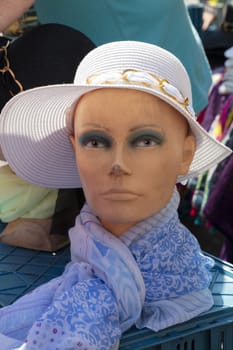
(130, 147)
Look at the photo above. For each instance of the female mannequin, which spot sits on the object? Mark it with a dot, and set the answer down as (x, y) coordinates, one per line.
(126, 132)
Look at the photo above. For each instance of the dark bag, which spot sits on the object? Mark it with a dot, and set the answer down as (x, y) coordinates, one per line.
(227, 18)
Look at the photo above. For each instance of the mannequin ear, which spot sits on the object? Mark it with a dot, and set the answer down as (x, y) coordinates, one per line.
(72, 141)
(188, 154)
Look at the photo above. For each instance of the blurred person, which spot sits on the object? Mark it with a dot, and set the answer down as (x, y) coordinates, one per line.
(165, 23)
(11, 10)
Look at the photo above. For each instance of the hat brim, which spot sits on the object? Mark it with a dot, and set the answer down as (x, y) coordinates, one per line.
(34, 124)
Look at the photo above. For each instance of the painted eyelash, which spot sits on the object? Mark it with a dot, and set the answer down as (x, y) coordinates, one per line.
(153, 136)
(87, 137)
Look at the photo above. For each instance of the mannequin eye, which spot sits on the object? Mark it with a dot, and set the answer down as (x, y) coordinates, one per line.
(144, 139)
(145, 142)
(95, 140)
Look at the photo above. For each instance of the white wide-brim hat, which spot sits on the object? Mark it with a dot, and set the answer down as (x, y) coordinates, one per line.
(33, 130)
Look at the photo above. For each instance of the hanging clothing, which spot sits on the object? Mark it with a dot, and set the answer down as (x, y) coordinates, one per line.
(217, 120)
(218, 207)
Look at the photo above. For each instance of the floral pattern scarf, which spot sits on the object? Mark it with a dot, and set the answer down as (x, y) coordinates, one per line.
(154, 276)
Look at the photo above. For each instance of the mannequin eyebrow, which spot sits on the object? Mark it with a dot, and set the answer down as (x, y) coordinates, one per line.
(95, 125)
(142, 126)
(135, 128)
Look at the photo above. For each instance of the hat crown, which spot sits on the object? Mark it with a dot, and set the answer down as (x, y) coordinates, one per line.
(143, 57)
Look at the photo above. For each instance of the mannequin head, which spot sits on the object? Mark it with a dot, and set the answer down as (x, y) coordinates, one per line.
(130, 147)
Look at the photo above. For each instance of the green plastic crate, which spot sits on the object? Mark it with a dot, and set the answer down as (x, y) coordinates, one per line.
(21, 270)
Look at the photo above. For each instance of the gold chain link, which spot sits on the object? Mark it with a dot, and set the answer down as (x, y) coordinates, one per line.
(7, 70)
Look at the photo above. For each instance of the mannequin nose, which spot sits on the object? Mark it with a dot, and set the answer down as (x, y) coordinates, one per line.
(117, 170)
(120, 164)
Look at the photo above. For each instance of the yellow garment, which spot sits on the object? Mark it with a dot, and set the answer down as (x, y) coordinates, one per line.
(19, 199)
(215, 2)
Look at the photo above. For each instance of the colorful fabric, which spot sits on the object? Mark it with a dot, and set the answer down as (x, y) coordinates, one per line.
(218, 207)
(222, 122)
(153, 276)
(216, 102)
(217, 120)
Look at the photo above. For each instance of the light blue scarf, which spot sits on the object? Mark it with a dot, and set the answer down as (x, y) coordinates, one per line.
(154, 275)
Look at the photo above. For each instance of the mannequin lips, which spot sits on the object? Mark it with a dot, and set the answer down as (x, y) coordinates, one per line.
(120, 194)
